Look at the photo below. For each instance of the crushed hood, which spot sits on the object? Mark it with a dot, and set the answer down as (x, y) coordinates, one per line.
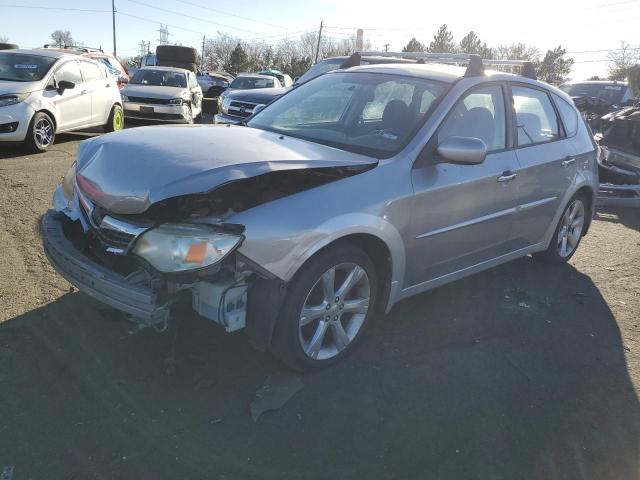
(127, 171)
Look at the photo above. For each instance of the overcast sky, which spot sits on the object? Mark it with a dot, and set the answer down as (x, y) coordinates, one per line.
(576, 25)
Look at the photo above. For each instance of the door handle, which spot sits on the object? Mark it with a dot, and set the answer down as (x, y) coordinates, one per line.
(568, 161)
(506, 176)
(84, 92)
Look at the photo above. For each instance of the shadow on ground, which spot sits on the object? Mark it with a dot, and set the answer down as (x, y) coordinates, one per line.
(518, 372)
(627, 216)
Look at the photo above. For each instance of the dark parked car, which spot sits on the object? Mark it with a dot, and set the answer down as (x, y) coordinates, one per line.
(242, 104)
(597, 98)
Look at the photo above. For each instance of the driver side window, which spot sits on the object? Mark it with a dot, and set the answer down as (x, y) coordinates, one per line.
(479, 114)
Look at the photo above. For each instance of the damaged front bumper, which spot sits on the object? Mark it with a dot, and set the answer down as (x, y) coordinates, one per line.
(139, 301)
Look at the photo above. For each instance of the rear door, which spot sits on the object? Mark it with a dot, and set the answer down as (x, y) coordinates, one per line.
(462, 215)
(100, 88)
(547, 163)
(73, 104)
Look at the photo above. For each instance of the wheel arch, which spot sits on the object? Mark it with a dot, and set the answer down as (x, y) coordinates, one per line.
(588, 192)
(51, 116)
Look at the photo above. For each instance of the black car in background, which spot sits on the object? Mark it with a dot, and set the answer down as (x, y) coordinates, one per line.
(597, 98)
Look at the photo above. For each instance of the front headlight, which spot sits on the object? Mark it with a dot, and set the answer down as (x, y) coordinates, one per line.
(12, 99)
(182, 247)
(176, 101)
(68, 181)
(225, 104)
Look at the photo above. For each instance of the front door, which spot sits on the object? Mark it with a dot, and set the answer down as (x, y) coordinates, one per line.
(73, 104)
(462, 215)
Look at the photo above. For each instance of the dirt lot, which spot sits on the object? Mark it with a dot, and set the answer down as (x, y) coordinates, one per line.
(524, 371)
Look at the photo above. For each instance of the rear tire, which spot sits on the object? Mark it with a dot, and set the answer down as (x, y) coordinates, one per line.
(115, 121)
(324, 314)
(41, 133)
(568, 233)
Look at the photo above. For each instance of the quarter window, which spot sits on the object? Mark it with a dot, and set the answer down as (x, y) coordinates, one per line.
(536, 119)
(480, 114)
(69, 72)
(569, 116)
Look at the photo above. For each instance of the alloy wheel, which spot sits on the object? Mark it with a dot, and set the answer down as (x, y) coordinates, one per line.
(43, 132)
(334, 311)
(571, 227)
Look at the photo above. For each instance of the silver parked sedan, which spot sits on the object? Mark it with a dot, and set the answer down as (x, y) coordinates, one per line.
(349, 193)
(164, 94)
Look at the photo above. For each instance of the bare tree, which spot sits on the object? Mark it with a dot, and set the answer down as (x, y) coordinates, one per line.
(517, 51)
(621, 61)
(4, 39)
(62, 38)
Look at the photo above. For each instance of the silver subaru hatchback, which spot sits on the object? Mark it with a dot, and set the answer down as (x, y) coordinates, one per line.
(348, 194)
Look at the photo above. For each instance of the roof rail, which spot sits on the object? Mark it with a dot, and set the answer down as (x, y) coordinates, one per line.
(82, 48)
(474, 62)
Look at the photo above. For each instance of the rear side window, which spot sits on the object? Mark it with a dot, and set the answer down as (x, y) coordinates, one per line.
(569, 116)
(535, 117)
(91, 71)
(69, 71)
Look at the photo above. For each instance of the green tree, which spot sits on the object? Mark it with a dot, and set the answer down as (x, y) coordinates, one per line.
(470, 43)
(442, 41)
(554, 68)
(238, 60)
(414, 46)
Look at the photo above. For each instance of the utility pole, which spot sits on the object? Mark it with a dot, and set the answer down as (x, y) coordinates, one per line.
(386, 47)
(319, 37)
(113, 15)
(202, 56)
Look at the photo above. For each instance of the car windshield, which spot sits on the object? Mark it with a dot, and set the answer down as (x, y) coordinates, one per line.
(20, 67)
(370, 113)
(609, 92)
(160, 78)
(249, 83)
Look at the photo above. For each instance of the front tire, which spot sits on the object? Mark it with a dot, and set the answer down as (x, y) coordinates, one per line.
(41, 133)
(116, 120)
(329, 304)
(568, 232)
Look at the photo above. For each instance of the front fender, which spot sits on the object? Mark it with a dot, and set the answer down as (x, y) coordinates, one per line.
(283, 254)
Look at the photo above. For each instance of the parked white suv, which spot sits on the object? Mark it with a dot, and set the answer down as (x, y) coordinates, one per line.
(44, 92)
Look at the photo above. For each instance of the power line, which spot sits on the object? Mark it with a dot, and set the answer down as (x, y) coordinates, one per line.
(231, 14)
(153, 21)
(173, 12)
(39, 7)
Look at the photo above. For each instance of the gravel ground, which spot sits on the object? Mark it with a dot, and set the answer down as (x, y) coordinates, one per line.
(524, 371)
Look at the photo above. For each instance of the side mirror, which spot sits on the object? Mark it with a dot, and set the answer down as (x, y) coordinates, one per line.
(462, 150)
(295, 80)
(64, 85)
(257, 108)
